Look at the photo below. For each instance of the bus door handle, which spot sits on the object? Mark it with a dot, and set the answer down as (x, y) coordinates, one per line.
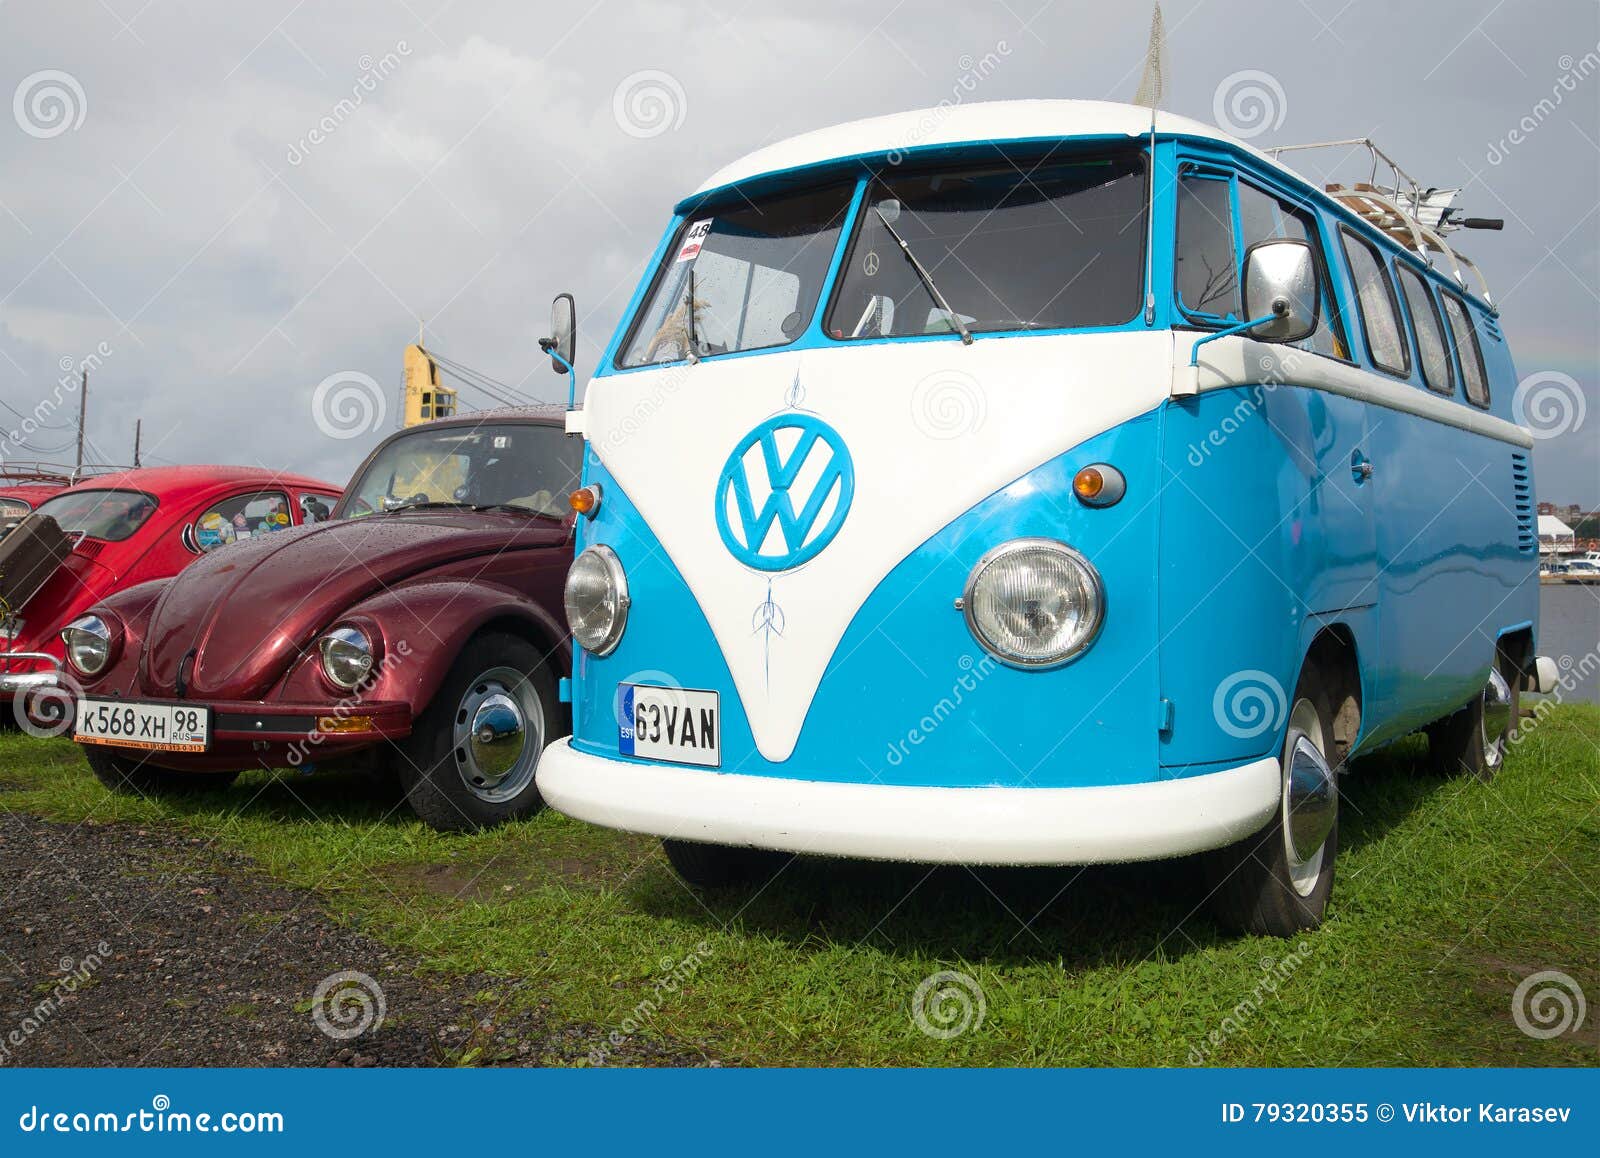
(1360, 467)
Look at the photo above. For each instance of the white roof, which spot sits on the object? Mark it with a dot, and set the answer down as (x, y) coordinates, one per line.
(1550, 525)
(964, 124)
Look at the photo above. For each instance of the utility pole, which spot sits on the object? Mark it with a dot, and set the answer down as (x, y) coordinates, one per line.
(138, 423)
(83, 410)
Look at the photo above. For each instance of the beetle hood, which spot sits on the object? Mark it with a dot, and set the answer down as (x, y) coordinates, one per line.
(232, 623)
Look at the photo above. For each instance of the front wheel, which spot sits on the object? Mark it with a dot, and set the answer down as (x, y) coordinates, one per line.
(469, 761)
(1277, 881)
(137, 778)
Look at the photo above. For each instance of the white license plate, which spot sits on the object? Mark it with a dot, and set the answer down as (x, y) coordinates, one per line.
(677, 724)
(159, 727)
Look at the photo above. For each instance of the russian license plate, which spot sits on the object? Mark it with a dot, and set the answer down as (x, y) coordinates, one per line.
(677, 724)
(159, 727)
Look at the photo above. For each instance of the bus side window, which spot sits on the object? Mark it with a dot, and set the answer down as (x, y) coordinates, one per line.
(1467, 351)
(1380, 313)
(1207, 275)
(1431, 348)
(1264, 217)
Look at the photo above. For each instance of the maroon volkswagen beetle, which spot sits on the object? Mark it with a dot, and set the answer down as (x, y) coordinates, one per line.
(420, 625)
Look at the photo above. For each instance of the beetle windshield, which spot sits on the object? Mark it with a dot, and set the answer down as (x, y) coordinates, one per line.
(1024, 245)
(754, 271)
(504, 464)
(103, 514)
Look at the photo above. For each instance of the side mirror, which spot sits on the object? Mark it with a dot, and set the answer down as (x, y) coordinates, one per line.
(562, 344)
(1280, 287)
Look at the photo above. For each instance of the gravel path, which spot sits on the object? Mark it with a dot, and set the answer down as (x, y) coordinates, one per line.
(124, 946)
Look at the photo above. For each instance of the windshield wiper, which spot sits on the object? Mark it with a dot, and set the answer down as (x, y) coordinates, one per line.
(390, 506)
(927, 278)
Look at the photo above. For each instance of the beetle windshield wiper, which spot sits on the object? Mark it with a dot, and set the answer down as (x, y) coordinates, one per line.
(518, 508)
(404, 505)
(925, 276)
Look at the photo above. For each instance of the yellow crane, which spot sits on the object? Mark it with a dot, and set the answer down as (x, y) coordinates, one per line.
(425, 398)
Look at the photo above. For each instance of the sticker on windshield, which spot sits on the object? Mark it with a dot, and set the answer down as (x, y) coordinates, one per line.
(694, 239)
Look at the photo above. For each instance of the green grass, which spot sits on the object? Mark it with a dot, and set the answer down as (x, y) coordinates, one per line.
(1449, 892)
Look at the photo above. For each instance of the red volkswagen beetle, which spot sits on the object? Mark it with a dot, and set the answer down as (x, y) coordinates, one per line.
(136, 525)
(421, 626)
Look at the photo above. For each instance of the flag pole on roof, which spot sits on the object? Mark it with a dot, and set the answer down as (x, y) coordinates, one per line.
(1152, 92)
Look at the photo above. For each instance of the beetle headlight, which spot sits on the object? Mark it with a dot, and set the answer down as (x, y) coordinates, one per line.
(346, 656)
(88, 644)
(597, 600)
(1034, 602)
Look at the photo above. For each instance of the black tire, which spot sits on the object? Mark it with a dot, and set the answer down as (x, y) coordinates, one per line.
(1253, 882)
(1460, 744)
(435, 766)
(133, 777)
(718, 866)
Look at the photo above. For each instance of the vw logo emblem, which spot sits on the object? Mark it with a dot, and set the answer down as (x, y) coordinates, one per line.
(804, 471)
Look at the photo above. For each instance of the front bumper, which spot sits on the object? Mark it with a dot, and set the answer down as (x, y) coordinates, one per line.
(1013, 826)
(256, 734)
(32, 679)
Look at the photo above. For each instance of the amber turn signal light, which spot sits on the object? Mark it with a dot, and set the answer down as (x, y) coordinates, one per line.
(331, 725)
(1099, 485)
(585, 500)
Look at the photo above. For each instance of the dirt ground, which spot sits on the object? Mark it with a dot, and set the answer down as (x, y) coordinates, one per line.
(124, 946)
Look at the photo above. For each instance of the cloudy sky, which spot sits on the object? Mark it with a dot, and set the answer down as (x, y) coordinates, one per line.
(166, 207)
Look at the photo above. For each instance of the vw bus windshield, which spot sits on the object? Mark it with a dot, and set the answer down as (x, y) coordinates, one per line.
(515, 465)
(754, 270)
(1027, 245)
(111, 515)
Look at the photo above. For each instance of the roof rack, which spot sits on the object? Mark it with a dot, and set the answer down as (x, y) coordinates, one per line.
(1415, 215)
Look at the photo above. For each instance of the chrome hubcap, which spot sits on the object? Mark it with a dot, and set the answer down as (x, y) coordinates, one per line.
(499, 733)
(1496, 717)
(1310, 797)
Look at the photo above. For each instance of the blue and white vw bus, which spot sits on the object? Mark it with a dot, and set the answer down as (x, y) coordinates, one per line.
(1041, 482)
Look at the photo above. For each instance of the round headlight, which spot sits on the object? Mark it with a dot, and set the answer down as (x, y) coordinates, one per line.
(1034, 602)
(346, 656)
(88, 644)
(597, 600)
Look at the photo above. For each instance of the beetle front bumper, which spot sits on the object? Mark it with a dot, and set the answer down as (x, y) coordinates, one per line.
(256, 734)
(1011, 826)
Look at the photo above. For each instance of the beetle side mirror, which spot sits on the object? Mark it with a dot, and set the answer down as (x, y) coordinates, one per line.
(1281, 291)
(562, 344)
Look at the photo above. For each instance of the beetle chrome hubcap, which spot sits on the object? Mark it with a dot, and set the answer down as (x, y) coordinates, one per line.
(1310, 797)
(499, 732)
(1496, 717)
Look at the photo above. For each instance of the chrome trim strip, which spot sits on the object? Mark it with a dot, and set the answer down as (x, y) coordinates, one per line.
(1232, 362)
